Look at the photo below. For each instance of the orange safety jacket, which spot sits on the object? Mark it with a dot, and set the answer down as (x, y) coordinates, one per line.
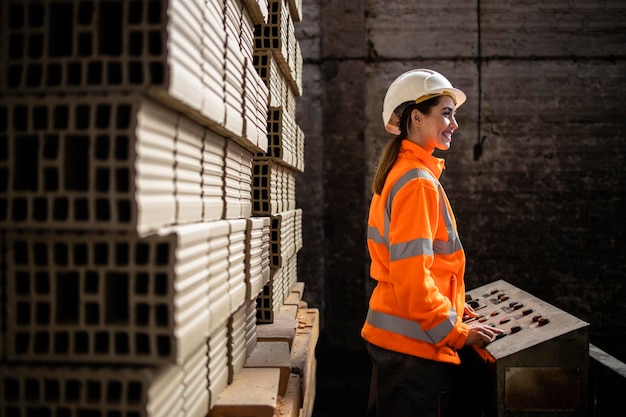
(417, 258)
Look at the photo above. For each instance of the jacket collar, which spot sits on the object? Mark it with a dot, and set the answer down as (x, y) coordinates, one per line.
(412, 150)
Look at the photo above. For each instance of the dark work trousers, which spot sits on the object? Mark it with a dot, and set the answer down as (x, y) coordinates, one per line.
(408, 386)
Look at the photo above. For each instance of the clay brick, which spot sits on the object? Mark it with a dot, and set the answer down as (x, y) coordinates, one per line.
(289, 404)
(278, 331)
(272, 355)
(253, 393)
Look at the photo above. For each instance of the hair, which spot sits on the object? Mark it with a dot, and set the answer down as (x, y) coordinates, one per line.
(390, 151)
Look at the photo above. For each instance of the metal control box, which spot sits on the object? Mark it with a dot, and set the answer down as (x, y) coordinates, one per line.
(540, 366)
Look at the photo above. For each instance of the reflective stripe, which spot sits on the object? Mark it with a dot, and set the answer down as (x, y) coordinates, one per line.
(413, 247)
(453, 243)
(418, 246)
(374, 234)
(446, 248)
(411, 328)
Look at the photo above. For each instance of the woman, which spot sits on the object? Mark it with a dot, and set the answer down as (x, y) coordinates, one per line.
(414, 325)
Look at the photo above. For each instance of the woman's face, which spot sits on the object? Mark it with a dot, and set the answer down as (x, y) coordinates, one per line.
(435, 129)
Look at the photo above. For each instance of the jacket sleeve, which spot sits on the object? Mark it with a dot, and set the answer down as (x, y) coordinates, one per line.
(415, 214)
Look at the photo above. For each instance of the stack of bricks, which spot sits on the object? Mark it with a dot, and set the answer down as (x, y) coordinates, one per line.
(278, 60)
(141, 244)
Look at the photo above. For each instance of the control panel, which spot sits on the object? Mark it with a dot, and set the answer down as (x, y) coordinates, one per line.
(539, 365)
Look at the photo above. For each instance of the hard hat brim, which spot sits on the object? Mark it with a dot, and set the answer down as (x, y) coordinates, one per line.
(392, 125)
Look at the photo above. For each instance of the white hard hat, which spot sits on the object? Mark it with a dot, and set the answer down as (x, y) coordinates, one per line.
(416, 85)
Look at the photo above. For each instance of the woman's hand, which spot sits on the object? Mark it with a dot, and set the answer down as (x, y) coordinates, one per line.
(468, 312)
(481, 334)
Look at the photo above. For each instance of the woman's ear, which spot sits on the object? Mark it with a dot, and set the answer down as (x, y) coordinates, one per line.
(415, 115)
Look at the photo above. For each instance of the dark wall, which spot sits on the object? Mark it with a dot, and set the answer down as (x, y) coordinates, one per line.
(540, 206)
